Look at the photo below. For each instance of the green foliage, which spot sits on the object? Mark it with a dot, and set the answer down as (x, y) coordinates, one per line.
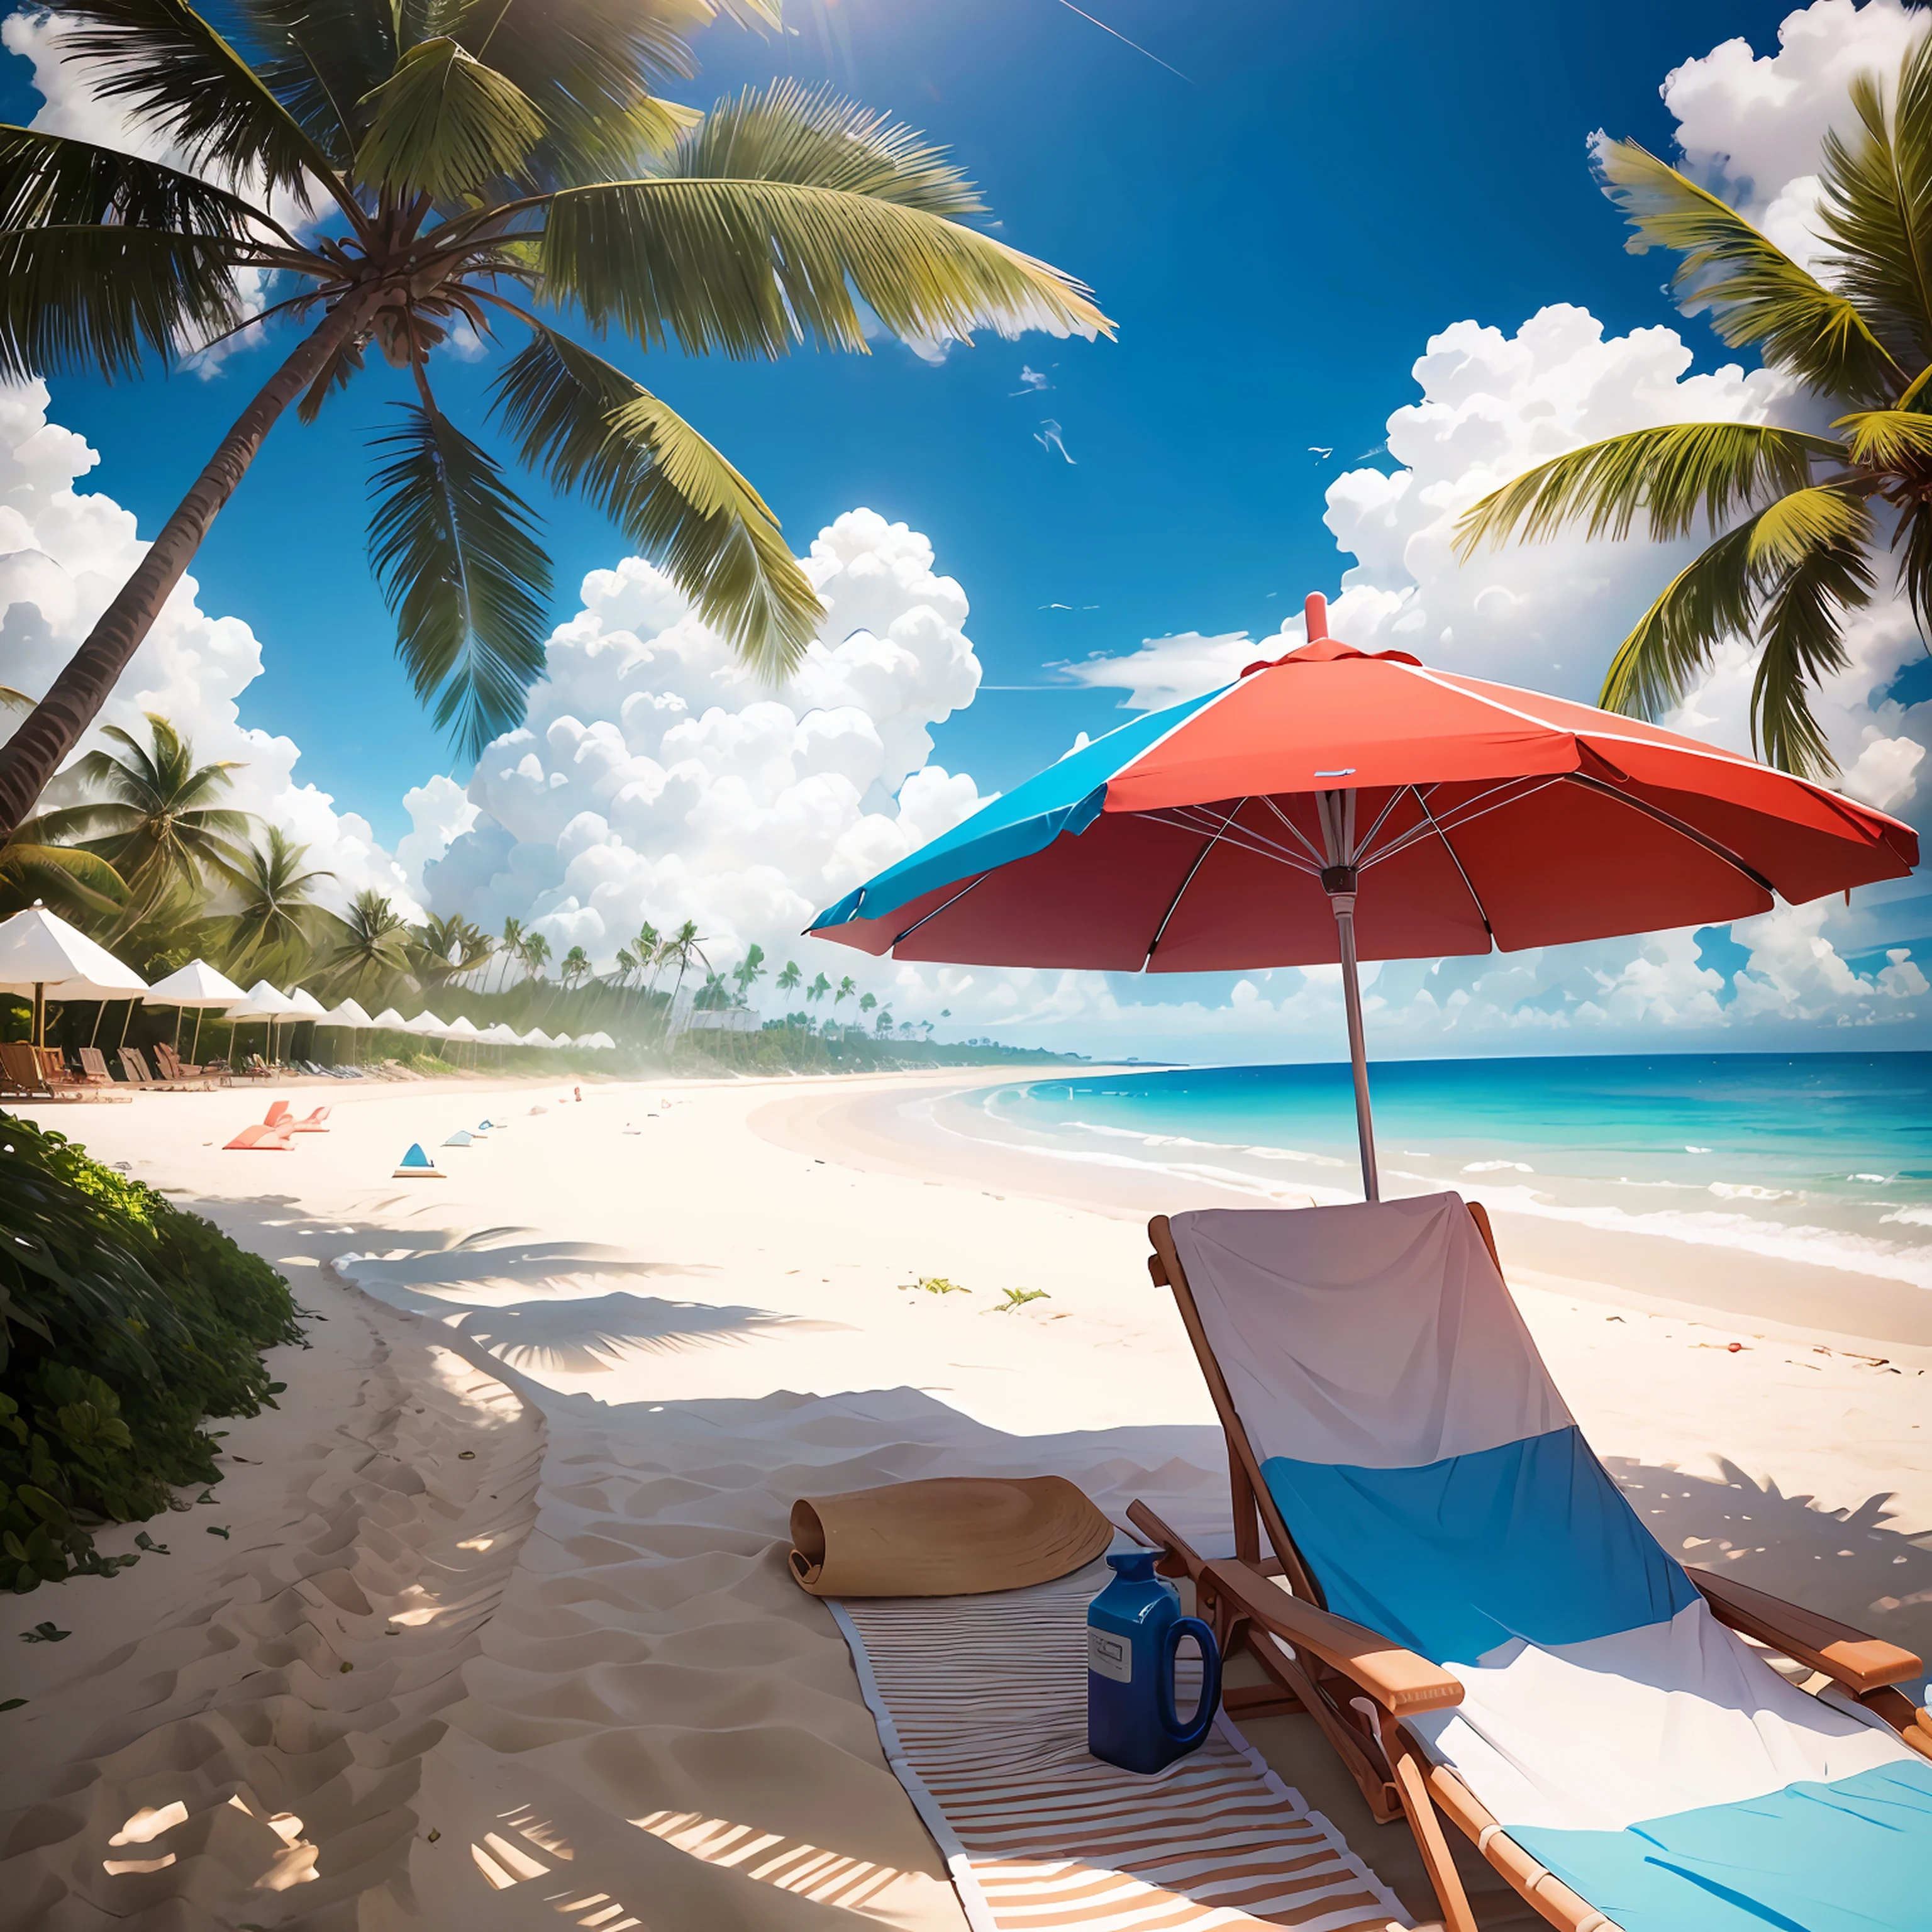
(124, 1323)
(491, 166)
(934, 1284)
(1018, 1297)
(1796, 558)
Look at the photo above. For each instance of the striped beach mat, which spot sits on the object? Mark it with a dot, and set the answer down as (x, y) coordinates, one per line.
(981, 1707)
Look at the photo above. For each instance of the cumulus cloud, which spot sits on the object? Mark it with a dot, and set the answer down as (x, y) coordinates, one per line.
(656, 779)
(63, 554)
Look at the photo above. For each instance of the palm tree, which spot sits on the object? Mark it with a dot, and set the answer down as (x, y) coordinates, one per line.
(277, 925)
(847, 987)
(683, 947)
(534, 951)
(747, 972)
(372, 949)
(80, 885)
(627, 967)
(463, 170)
(576, 966)
(789, 976)
(883, 1024)
(446, 948)
(817, 990)
(157, 824)
(509, 948)
(867, 1002)
(1801, 512)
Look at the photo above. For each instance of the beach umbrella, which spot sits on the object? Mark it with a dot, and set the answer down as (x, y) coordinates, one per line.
(304, 1005)
(265, 1000)
(389, 1020)
(463, 1028)
(1334, 805)
(563, 1040)
(346, 1013)
(536, 1036)
(199, 985)
(428, 1025)
(41, 953)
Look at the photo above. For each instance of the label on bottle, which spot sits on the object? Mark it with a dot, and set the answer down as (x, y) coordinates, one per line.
(1111, 1655)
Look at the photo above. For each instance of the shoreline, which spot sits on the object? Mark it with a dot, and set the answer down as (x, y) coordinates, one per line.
(655, 1318)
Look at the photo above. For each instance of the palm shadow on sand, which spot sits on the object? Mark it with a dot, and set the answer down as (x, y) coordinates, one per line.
(1848, 1564)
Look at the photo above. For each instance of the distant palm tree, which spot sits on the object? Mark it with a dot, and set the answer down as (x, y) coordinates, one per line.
(682, 949)
(509, 948)
(474, 169)
(748, 971)
(627, 966)
(372, 950)
(157, 822)
(867, 1002)
(788, 977)
(712, 996)
(446, 948)
(576, 966)
(817, 990)
(534, 950)
(847, 987)
(1806, 509)
(277, 924)
(883, 1024)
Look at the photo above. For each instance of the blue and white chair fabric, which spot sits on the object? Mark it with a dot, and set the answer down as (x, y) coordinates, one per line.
(1440, 1492)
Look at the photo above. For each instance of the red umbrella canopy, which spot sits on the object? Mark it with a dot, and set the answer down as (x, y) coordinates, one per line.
(1462, 815)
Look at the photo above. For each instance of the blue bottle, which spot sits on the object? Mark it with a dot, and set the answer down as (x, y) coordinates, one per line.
(1134, 1628)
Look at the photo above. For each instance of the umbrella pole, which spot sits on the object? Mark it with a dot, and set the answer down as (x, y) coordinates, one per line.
(194, 1052)
(1337, 810)
(1344, 905)
(40, 1013)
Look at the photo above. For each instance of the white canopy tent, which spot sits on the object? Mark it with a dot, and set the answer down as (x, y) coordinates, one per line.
(349, 1016)
(40, 954)
(265, 1001)
(197, 985)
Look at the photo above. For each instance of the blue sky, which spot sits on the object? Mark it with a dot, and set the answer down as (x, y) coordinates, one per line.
(1277, 234)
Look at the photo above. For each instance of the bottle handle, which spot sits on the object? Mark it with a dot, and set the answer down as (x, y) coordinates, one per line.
(1188, 1735)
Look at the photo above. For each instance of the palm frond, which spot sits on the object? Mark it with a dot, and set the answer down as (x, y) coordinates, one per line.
(589, 67)
(453, 546)
(1755, 293)
(1913, 542)
(1786, 576)
(181, 78)
(444, 125)
(105, 257)
(1709, 599)
(1670, 475)
(756, 262)
(594, 432)
(1887, 438)
(78, 881)
(1815, 540)
(322, 59)
(1877, 188)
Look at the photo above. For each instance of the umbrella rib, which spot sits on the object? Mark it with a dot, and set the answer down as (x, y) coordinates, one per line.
(936, 911)
(1675, 824)
(1382, 817)
(1303, 836)
(1464, 814)
(1200, 859)
(1462, 871)
(1242, 838)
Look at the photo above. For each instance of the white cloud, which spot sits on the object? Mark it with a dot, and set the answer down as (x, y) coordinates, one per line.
(62, 556)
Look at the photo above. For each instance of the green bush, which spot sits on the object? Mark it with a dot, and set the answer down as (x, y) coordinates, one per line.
(125, 1323)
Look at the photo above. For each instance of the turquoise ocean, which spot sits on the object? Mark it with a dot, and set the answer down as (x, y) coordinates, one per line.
(1821, 1157)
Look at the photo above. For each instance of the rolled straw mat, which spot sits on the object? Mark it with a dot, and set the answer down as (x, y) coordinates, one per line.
(948, 1536)
(982, 1707)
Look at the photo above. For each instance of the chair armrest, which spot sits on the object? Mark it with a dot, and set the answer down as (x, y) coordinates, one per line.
(1859, 1662)
(1397, 1679)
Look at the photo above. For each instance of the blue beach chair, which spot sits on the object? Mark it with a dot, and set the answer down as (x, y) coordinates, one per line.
(1484, 1627)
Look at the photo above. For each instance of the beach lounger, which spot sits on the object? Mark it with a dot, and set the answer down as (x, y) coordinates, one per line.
(279, 1110)
(94, 1068)
(22, 1076)
(1485, 1629)
(314, 1122)
(264, 1137)
(135, 1068)
(174, 1069)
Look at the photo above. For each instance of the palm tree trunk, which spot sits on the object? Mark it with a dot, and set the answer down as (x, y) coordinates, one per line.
(33, 755)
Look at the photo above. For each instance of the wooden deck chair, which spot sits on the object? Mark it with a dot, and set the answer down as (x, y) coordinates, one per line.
(22, 1076)
(175, 1068)
(94, 1068)
(1483, 1627)
(135, 1068)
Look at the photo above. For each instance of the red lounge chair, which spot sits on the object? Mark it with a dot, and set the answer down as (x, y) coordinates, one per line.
(313, 1124)
(278, 1112)
(261, 1138)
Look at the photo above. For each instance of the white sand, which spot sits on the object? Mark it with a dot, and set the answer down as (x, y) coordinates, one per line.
(531, 1482)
